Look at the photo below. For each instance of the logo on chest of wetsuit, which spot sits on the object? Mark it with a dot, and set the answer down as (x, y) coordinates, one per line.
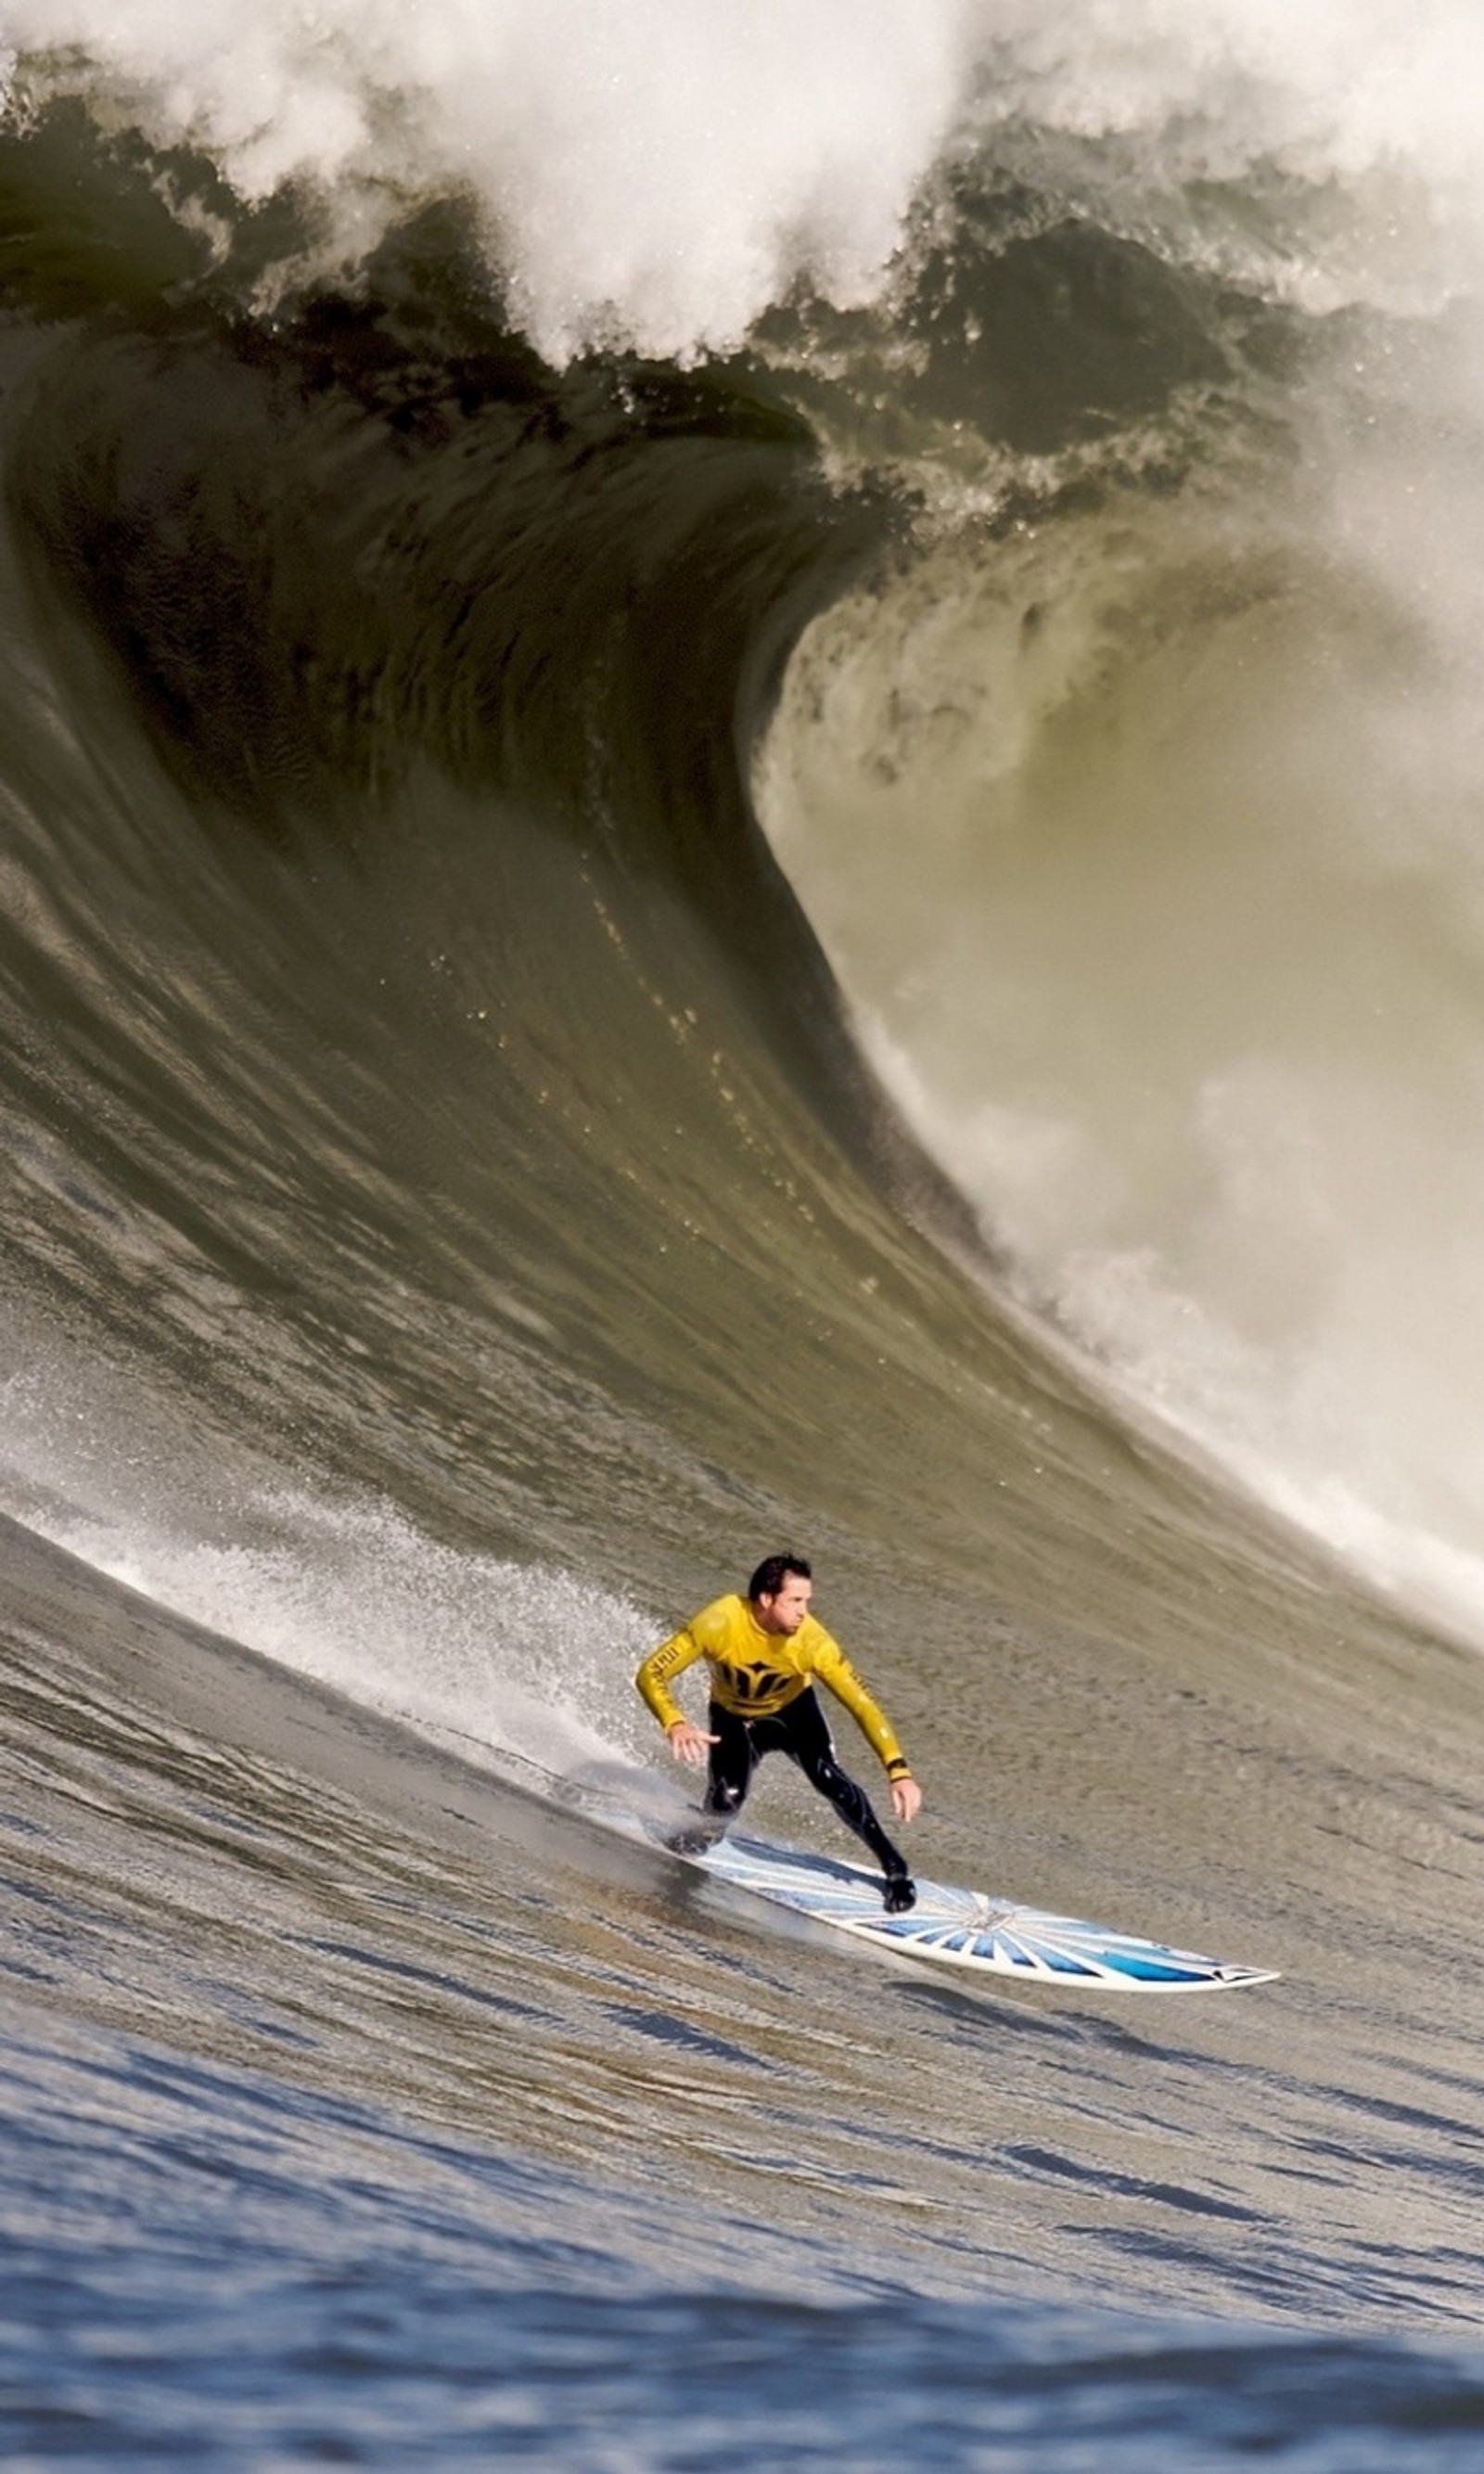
(752, 1684)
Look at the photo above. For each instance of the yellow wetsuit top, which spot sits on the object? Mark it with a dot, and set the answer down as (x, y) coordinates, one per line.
(755, 1673)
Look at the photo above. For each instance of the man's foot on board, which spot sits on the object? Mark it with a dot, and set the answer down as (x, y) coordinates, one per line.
(900, 1894)
(695, 1841)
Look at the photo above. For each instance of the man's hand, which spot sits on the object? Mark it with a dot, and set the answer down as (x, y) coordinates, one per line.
(688, 1743)
(906, 1796)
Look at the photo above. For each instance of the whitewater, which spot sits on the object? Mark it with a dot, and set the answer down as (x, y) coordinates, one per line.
(741, 806)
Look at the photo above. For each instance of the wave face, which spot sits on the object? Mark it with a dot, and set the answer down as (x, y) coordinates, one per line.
(739, 803)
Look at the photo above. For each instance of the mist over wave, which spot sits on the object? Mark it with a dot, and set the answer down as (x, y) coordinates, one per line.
(1145, 835)
(659, 177)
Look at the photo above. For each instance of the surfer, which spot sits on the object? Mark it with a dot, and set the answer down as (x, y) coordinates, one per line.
(764, 1651)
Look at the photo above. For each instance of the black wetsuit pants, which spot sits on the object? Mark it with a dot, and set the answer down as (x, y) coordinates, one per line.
(799, 1730)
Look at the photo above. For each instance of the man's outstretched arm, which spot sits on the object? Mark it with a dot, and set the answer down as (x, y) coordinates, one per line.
(687, 1742)
(834, 1668)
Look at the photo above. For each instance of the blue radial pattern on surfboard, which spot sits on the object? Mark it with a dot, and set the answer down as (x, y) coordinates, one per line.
(966, 1928)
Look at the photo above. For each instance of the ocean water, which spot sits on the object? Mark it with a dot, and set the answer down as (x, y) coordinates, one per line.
(740, 805)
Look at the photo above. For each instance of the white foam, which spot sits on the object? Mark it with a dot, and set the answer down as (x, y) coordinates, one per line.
(1163, 918)
(524, 1668)
(663, 170)
(660, 169)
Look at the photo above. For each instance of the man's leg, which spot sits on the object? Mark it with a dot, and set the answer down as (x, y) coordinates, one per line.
(732, 1762)
(806, 1738)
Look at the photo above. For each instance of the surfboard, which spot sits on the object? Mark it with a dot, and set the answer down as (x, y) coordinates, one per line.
(966, 1928)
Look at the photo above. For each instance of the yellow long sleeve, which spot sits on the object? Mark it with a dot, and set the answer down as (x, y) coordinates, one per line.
(755, 1673)
(659, 1671)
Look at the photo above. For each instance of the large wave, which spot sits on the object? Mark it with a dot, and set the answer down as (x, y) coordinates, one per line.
(738, 808)
(421, 475)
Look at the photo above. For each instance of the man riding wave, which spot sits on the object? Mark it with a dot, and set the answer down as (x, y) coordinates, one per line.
(764, 1652)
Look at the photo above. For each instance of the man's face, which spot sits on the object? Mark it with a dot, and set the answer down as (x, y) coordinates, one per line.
(785, 1613)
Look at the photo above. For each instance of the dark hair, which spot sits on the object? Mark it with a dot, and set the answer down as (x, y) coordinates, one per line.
(768, 1578)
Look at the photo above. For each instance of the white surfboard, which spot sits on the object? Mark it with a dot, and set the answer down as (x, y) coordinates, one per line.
(965, 1928)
